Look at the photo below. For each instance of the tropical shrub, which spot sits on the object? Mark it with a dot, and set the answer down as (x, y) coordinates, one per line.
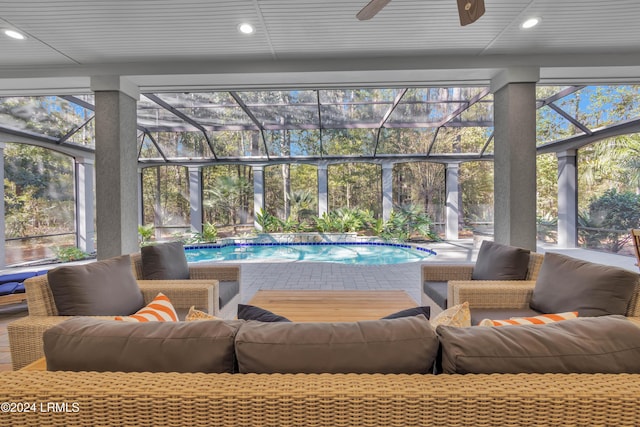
(69, 254)
(614, 214)
(406, 221)
(209, 234)
(269, 223)
(146, 233)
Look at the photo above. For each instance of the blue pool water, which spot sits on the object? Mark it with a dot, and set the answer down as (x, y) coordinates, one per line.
(345, 253)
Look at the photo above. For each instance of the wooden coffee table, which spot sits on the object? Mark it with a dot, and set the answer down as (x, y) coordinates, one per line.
(332, 306)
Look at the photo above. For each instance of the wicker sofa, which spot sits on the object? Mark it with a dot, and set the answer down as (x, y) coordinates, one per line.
(187, 399)
(201, 291)
(255, 399)
(172, 399)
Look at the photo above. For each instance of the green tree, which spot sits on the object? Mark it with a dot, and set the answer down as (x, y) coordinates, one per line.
(302, 202)
(227, 193)
(39, 191)
(355, 185)
(216, 210)
(615, 213)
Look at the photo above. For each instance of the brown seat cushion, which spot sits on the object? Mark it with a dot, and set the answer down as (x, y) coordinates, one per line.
(405, 345)
(569, 284)
(87, 344)
(437, 291)
(500, 262)
(164, 261)
(102, 288)
(609, 344)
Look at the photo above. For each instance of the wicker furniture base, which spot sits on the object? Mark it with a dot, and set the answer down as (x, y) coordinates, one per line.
(145, 399)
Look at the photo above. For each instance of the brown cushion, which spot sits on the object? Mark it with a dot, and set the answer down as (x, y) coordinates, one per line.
(608, 344)
(86, 344)
(102, 288)
(405, 345)
(569, 284)
(251, 312)
(164, 261)
(414, 311)
(500, 262)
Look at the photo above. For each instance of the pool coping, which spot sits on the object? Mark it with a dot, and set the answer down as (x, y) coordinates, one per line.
(243, 244)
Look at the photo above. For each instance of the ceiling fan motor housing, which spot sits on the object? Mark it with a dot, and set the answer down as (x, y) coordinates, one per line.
(470, 11)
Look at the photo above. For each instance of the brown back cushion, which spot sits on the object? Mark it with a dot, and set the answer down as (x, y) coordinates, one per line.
(608, 344)
(86, 344)
(500, 262)
(102, 288)
(405, 345)
(569, 284)
(164, 261)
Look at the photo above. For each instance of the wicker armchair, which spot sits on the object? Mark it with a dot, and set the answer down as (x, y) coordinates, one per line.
(201, 291)
(25, 334)
(454, 272)
(226, 293)
(484, 294)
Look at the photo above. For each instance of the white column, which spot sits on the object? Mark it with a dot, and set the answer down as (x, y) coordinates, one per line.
(515, 158)
(567, 199)
(2, 218)
(258, 193)
(195, 198)
(452, 206)
(116, 166)
(85, 232)
(387, 190)
(323, 187)
(140, 196)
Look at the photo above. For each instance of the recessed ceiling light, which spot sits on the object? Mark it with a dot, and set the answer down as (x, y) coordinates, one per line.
(246, 28)
(14, 34)
(530, 23)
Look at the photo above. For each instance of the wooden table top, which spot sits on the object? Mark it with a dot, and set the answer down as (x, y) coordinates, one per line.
(332, 306)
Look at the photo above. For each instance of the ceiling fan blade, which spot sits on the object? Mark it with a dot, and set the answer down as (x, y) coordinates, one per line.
(370, 10)
(470, 11)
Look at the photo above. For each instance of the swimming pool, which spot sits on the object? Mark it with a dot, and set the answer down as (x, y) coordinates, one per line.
(368, 253)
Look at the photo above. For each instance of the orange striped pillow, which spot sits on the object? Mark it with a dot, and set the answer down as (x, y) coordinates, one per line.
(158, 310)
(536, 320)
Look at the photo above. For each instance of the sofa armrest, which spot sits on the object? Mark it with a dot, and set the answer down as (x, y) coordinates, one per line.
(203, 294)
(222, 272)
(445, 272)
(25, 338)
(39, 297)
(491, 294)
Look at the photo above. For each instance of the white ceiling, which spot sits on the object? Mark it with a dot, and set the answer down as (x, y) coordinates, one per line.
(188, 44)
